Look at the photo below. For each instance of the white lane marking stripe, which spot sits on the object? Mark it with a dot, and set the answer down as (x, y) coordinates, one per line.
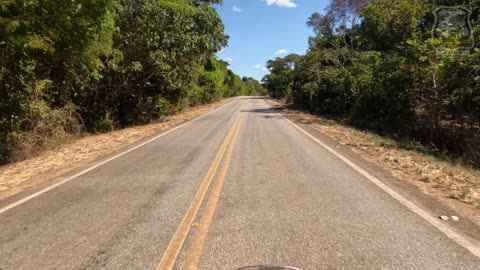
(40, 192)
(459, 239)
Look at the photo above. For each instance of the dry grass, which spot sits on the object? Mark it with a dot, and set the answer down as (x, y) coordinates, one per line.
(20, 175)
(453, 181)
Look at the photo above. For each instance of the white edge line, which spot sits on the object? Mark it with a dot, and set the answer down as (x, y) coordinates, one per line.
(40, 192)
(459, 239)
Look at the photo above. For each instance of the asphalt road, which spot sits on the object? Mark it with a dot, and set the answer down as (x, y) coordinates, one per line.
(283, 199)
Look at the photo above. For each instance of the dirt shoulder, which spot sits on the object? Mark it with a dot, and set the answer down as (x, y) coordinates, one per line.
(456, 186)
(18, 176)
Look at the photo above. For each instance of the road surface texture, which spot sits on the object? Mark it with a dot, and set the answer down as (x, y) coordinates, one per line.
(273, 195)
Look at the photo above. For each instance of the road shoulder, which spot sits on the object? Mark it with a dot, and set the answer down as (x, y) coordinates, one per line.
(437, 203)
(25, 177)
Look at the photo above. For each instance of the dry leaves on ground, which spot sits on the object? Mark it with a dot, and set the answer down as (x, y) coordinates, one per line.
(454, 181)
(17, 176)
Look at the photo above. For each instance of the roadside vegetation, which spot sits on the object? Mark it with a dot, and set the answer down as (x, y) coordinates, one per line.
(18, 176)
(73, 67)
(410, 161)
(372, 65)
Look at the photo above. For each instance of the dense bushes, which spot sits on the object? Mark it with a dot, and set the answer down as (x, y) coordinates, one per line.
(95, 65)
(374, 64)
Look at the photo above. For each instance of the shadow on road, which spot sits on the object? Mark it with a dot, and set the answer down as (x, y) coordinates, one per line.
(268, 110)
(255, 97)
(269, 113)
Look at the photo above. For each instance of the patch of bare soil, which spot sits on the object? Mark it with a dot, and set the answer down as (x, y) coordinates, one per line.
(20, 175)
(457, 186)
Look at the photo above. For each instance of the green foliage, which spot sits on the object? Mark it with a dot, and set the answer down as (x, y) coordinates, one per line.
(214, 80)
(387, 25)
(375, 64)
(104, 124)
(60, 42)
(279, 82)
(384, 97)
(102, 64)
(253, 87)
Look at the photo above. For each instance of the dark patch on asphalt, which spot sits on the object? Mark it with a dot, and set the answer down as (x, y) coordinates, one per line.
(139, 216)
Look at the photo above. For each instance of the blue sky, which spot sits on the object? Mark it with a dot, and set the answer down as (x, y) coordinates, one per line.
(260, 30)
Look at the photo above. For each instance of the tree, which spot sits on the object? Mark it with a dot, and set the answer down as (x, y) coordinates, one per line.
(279, 82)
(388, 24)
(49, 51)
(374, 64)
(94, 65)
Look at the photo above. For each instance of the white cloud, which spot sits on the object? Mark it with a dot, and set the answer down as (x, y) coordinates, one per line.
(222, 50)
(281, 3)
(236, 8)
(260, 66)
(228, 59)
(282, 51)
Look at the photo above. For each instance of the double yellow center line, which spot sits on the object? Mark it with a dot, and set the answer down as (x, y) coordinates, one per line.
(216, 173)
